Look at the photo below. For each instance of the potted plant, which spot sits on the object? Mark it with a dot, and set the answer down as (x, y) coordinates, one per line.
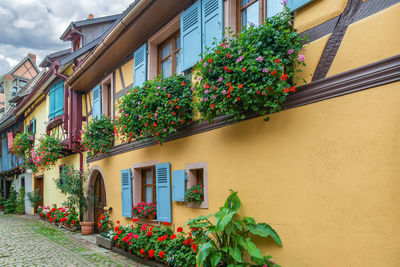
(46, 154)
(104, 239)
(145, 210)
(195, 195)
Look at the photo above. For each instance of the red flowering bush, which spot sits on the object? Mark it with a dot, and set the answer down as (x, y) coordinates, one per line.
(104, 223)
(156, 109)
(195, 194)
(144, 209)
(253, 71)
(22, 145)
(59, 215)
(47, 153)
(99, 136)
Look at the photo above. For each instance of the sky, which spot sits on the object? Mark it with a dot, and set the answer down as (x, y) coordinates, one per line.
(35, 26)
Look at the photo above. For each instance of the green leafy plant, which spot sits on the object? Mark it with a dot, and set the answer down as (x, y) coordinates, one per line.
(46, 154)
(226, 241)
(1, 203)
(195, 194)
(22, 145)
(104, 223)
(10, 205)
(21, 201)
(71, 183)
(99, 136)
(252, 71)
(34, 197)
(156, 109)
(144, 209)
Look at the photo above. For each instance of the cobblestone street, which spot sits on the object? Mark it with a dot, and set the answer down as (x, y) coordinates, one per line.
(28, 241)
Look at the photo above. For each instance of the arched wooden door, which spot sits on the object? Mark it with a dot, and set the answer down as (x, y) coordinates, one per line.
(99, 198)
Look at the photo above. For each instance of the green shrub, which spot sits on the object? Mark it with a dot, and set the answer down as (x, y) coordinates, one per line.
(10, 206)
(99, 136)
(21, 201)
(34, 197)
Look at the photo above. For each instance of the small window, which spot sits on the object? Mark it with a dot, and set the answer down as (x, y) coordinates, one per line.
(149, 185)
(250, 13)
(170, 56)
(197, 174)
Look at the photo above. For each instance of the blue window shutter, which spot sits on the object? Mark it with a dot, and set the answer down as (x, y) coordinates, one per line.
(212, 22)
(33, 126)
(140, 65)
(96, 101)
(296, 4)
(178, 185)
(126, 192)
(51, 102)
(191, 35)
(163, 192)
(59, 95)
(27, 128)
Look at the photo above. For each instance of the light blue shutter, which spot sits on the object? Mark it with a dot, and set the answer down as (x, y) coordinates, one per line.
(191, 35)
(212, 21)
(126, 193)
(51, 102)
(274, 7)
(33, 126)
(178, 185)
(163, 192)
(27, 128)
(296, 4)
(96, 102)
(140, 66)
(59, 99)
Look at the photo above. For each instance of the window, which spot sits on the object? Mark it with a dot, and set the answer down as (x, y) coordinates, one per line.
(250, 13)
(96, 104)
(197, 174)
(56, 98)
(148, 185)
(170, 56)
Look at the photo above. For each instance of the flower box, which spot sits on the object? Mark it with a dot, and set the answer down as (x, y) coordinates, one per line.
(104, 242)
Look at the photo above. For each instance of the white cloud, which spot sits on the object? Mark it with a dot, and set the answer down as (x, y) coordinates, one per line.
(35, 26)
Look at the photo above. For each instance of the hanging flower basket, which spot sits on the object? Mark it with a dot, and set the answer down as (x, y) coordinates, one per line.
(99, 136)
(47, 153)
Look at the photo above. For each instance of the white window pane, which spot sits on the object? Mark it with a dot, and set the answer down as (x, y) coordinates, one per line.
(178, 62)
(177, 42)
(149, 194)
(149, 177)
(250, 15)
(274, 7)
(166, 50)
(166, 67)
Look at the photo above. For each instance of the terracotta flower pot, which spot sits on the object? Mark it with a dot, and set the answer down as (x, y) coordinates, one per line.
(87, 228)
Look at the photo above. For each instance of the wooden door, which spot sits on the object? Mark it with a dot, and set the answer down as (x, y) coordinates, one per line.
(38, 183)
(99, 198)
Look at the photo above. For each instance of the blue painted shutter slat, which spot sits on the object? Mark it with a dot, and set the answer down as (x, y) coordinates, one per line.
(140, 65)
(96, 102)
(51, 102)
(33, 126)
(212, 21)
(126, 193)
(296, 4)
(59, 96)
(163, 192)
(191, 35)
(178, 185)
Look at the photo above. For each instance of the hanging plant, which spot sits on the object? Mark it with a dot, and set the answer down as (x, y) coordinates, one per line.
(99, 136)
(252, 71)
(46, 154)
(22, 145)
(156, 109)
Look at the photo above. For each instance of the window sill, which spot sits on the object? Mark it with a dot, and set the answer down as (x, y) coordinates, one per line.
(147, 221)
(203, 205)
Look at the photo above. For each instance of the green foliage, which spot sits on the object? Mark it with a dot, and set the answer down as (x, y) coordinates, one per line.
(22, 145)
(46, 154)
(34, 197)
(1, 201)
(10, 206)
(21, 201)
(252, 71)
(99, 135)
(228, 239)
(156, 109)
(104, 223)
(195, 194)
(71, 183)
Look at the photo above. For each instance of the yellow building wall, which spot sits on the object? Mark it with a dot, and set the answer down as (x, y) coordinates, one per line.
(127, 71)
(325, 176)
(371, 39)
(118, 82)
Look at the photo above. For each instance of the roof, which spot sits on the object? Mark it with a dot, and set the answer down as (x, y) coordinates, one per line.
(46, 62)
(87, 22)
(22, 61)
(28, 87)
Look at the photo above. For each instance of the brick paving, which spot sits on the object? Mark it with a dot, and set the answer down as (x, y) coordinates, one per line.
(29, 241)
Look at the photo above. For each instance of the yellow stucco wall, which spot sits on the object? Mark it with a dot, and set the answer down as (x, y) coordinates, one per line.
(127, 70)
(118, 83)
(317, 12)
(325, 176)
(371, 39)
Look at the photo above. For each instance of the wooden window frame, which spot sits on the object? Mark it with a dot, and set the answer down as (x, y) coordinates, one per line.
(192, 179)
(261, 12)
(171, 39)
(153, 185)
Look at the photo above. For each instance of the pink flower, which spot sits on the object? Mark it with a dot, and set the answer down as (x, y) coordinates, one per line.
(260, 59)
(265, 70)
(239, 59)
(290, 51)
(301, 58)
(220, 79)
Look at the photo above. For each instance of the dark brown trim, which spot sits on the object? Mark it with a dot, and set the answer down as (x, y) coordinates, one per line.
(121, 76)
(369, 76)
(35, 106)
(333, 44)
(54, 122)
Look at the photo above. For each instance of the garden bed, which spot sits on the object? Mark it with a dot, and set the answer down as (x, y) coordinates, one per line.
(137, 258)
(104, 242)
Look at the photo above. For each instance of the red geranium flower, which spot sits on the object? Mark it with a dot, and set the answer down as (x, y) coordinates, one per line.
(228, 55)
(240, 85)
(161, 254)
(141, 251)
(284, 77)
(179, 230)
(210, 60)
(173, 236)
(243, 69)
(183, 84)
(151, 253)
